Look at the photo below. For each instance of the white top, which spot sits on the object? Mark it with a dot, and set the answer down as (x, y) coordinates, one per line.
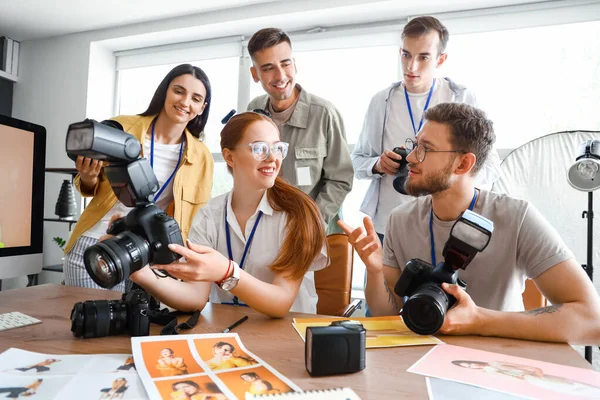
(165, 161)
(399, 129)
(208, 229)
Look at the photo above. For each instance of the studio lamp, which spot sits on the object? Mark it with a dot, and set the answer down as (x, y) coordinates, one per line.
(584, 175)
(66, 206)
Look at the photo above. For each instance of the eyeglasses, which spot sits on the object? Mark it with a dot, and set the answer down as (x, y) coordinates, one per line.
(263, 112)
(421, 151)
(261, 150)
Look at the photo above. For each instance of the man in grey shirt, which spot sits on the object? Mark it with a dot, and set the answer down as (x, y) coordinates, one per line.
(452, 146)
(318, 162)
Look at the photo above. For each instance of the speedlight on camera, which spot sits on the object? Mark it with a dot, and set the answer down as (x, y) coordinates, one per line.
(103, 141)
(425, 309)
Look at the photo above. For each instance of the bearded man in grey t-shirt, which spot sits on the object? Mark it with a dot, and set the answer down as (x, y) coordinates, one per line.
(449, 151)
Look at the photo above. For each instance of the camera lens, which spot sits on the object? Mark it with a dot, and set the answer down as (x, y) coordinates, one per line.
(98, 318)
(111, 261)
(424, 312)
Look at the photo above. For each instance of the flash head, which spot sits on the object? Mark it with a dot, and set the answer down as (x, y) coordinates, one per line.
(104, 141)
(470, 234)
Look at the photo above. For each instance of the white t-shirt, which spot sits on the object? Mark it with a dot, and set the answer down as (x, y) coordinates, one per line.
(398, 129)
(165, 162)
(208, 229)
(523, 245)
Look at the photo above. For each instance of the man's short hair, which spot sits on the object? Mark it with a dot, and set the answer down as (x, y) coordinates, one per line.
(421, 26)
(267, 38)
(471, 130)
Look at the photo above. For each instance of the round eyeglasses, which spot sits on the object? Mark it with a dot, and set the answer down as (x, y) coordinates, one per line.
(261, 150)
(421, 151)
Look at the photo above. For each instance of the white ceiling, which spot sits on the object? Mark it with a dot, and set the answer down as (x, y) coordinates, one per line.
(35, 19)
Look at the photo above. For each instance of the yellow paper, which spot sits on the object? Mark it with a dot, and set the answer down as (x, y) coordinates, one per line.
(381, 331)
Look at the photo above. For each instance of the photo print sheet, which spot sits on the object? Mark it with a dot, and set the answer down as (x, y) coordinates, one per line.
(51, 376)
(516, 376)
(207, 367)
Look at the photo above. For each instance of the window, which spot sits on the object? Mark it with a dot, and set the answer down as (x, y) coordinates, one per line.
(532, 81)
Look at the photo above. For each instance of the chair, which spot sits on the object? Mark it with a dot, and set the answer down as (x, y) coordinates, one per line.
(532, 297)
(334, 283)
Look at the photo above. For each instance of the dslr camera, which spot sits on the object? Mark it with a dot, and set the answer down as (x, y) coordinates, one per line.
(402, 172)
(425, 309)
(143, 235)
(98, 318)
(339, 348)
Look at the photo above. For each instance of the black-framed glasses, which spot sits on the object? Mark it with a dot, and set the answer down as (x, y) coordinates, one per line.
(261, 150)
(421, 151)
(263, 112)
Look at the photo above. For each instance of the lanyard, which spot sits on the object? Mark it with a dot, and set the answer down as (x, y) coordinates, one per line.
(157, 195)
(248, 243)
(424, 109)
(433, 261)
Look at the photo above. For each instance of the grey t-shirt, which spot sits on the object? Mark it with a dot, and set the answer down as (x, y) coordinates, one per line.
(523, 245)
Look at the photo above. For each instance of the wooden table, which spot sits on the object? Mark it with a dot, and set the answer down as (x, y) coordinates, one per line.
(273, 340)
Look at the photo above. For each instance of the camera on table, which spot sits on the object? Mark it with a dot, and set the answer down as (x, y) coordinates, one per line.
(335, 349)
(402, 172)
(425, 309)
(143, 235)
(98, 318)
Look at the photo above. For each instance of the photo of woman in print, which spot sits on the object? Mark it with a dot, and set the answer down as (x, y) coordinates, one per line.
(534, 376)
(258, 385)
(42, 366)
(16, 392)
(116, 391)
(170, 365)
(127, 365)
(225, 357)
(190, 390)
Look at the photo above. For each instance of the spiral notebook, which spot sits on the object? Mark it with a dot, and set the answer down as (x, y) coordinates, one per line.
(326, 394)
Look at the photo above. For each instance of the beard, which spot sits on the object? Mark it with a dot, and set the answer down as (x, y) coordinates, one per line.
(435, 183)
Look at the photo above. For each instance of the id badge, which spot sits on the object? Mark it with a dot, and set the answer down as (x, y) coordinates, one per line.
(303, 176)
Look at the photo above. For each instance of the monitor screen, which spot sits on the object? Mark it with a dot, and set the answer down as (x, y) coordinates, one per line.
(22, 163)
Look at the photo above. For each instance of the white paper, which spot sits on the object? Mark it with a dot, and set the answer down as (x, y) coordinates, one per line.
(303, 176)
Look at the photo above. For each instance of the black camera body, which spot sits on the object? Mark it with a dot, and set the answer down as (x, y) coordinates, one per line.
(424, 311)
(339, 348)
(142, 237)
(99, 318)
(402, 172)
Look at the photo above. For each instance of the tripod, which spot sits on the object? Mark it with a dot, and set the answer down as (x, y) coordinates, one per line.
(589, 266)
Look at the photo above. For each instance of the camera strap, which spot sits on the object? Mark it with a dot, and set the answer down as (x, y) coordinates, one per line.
(169, 321)
(433, 260)
(160, 191)
(415, 130)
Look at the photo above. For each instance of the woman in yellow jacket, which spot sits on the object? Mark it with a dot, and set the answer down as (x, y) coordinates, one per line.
(171, 132)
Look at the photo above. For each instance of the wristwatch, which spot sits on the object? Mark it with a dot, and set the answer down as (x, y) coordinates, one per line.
(232, 281)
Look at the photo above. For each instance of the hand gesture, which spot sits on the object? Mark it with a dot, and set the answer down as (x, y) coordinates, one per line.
(367, 245)
(89, 170)
(463, 318)
(388, 163)
(203, 264)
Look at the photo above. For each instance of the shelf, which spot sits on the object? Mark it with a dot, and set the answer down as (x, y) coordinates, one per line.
(10, 77)
(71, 171)
(69, 221)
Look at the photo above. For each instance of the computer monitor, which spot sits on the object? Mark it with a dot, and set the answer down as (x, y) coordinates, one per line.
(22, 163)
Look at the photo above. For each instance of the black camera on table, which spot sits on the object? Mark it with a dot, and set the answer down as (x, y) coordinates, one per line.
(143, 235)
(339, 348)
(402, 172)
(98, 318)
(425, 309)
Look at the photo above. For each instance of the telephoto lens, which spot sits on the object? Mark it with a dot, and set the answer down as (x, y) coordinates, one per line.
(98, 318)
(111, 261)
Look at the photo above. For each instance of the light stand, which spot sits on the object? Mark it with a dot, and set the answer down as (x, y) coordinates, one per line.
(584, 175)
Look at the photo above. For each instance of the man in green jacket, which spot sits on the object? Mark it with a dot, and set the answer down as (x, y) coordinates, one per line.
(318, 162)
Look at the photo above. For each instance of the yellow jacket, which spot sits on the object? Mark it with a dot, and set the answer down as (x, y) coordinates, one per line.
(191, 186)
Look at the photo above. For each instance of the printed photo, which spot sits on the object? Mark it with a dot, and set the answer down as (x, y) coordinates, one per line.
(36, 387)
(189, 388)
(110, 363)
(105, 387)
(256, 381)
(169, 358)
(223, 353)
(16, 361)
(508, 374)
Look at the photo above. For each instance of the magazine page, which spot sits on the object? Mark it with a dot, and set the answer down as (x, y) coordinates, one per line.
(209, 366)
(507, 374)
(52, 376)
(381, 331)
